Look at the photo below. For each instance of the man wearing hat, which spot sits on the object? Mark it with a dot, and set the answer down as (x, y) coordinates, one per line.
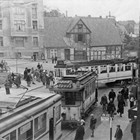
(80, 132)
(93, 121)
(119, 133)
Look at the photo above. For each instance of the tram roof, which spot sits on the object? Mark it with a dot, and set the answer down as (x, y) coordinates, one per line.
(21, 98)
(93, 63)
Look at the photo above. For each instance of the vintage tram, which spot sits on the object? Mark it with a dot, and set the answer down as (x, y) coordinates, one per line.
(36, 117)
(108, 71)
(79, 94)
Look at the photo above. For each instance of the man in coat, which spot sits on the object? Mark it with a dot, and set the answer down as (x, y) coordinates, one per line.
(112, 95)
(119, 133)
(7, 87)
(80, 132)
(93, 121)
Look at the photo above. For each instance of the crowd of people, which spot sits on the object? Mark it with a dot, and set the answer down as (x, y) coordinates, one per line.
(109, 107)
(30, 76)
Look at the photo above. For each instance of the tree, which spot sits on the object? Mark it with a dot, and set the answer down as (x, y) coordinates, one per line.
(53, 13)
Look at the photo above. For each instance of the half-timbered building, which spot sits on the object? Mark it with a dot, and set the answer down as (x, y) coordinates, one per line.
(81, 38)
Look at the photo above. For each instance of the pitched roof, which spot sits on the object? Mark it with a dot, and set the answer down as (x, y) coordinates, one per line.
(103, 31)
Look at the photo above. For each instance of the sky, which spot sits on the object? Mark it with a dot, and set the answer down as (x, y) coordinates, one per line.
(121, 9)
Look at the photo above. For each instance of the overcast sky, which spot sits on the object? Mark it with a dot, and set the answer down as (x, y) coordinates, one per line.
(121, 9)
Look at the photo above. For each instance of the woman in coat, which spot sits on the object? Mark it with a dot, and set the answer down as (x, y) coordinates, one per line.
(80, 132)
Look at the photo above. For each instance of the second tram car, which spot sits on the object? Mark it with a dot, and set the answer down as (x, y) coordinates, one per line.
(107, 70)
(78, 97)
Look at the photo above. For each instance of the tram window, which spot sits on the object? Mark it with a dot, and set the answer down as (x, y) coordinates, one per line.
(11, 136)
(70, 98)
(25, 131)
(103, 69)
(120, 67)
(58, 112)
(127, 67)
(111, 69)
(40, 125)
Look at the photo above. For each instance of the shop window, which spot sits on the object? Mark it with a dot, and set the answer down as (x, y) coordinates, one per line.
(34, 23)
(40, 125)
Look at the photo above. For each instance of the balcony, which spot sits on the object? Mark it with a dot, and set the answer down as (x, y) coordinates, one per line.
(25, 32)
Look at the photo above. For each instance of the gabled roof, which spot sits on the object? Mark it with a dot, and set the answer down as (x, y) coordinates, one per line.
(103, 31)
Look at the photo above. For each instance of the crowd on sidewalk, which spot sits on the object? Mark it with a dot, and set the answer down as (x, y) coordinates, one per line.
(109, 107)
(30, 76)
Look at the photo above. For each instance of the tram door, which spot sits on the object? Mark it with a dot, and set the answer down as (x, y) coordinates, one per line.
(51, 129)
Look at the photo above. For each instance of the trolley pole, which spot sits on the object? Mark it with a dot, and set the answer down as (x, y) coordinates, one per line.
(138, 94)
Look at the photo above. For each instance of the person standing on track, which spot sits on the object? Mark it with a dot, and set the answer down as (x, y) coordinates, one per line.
(119, 133)
(125, 92)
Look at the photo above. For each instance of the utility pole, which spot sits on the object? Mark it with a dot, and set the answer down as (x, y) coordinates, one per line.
(138, 94)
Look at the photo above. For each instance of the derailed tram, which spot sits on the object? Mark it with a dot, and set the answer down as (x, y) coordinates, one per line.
(79, 94)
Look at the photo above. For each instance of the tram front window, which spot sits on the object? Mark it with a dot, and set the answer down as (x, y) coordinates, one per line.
(70, 98)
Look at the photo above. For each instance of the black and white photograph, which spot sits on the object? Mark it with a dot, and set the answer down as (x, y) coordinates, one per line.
(69, 70)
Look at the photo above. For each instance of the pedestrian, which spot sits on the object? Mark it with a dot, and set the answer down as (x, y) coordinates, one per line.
(25, 73)
(111, 108)
(55, 59)
(52, 59)
(47, 80)
(133, 128)
(118, 133)
(29, 79)
(121, 105)
(80, 132)
(93, 121)
(7, 86)
(17, 81)
(125, 92)
(112, 95)
(131, 99)
(38, 66)
(104, 103)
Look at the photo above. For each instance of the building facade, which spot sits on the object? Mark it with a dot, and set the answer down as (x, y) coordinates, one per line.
(81, 38)
(21, 28)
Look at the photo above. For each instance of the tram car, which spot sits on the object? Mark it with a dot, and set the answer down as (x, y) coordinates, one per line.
(79, 94)
(107, 70)
(36, 117)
